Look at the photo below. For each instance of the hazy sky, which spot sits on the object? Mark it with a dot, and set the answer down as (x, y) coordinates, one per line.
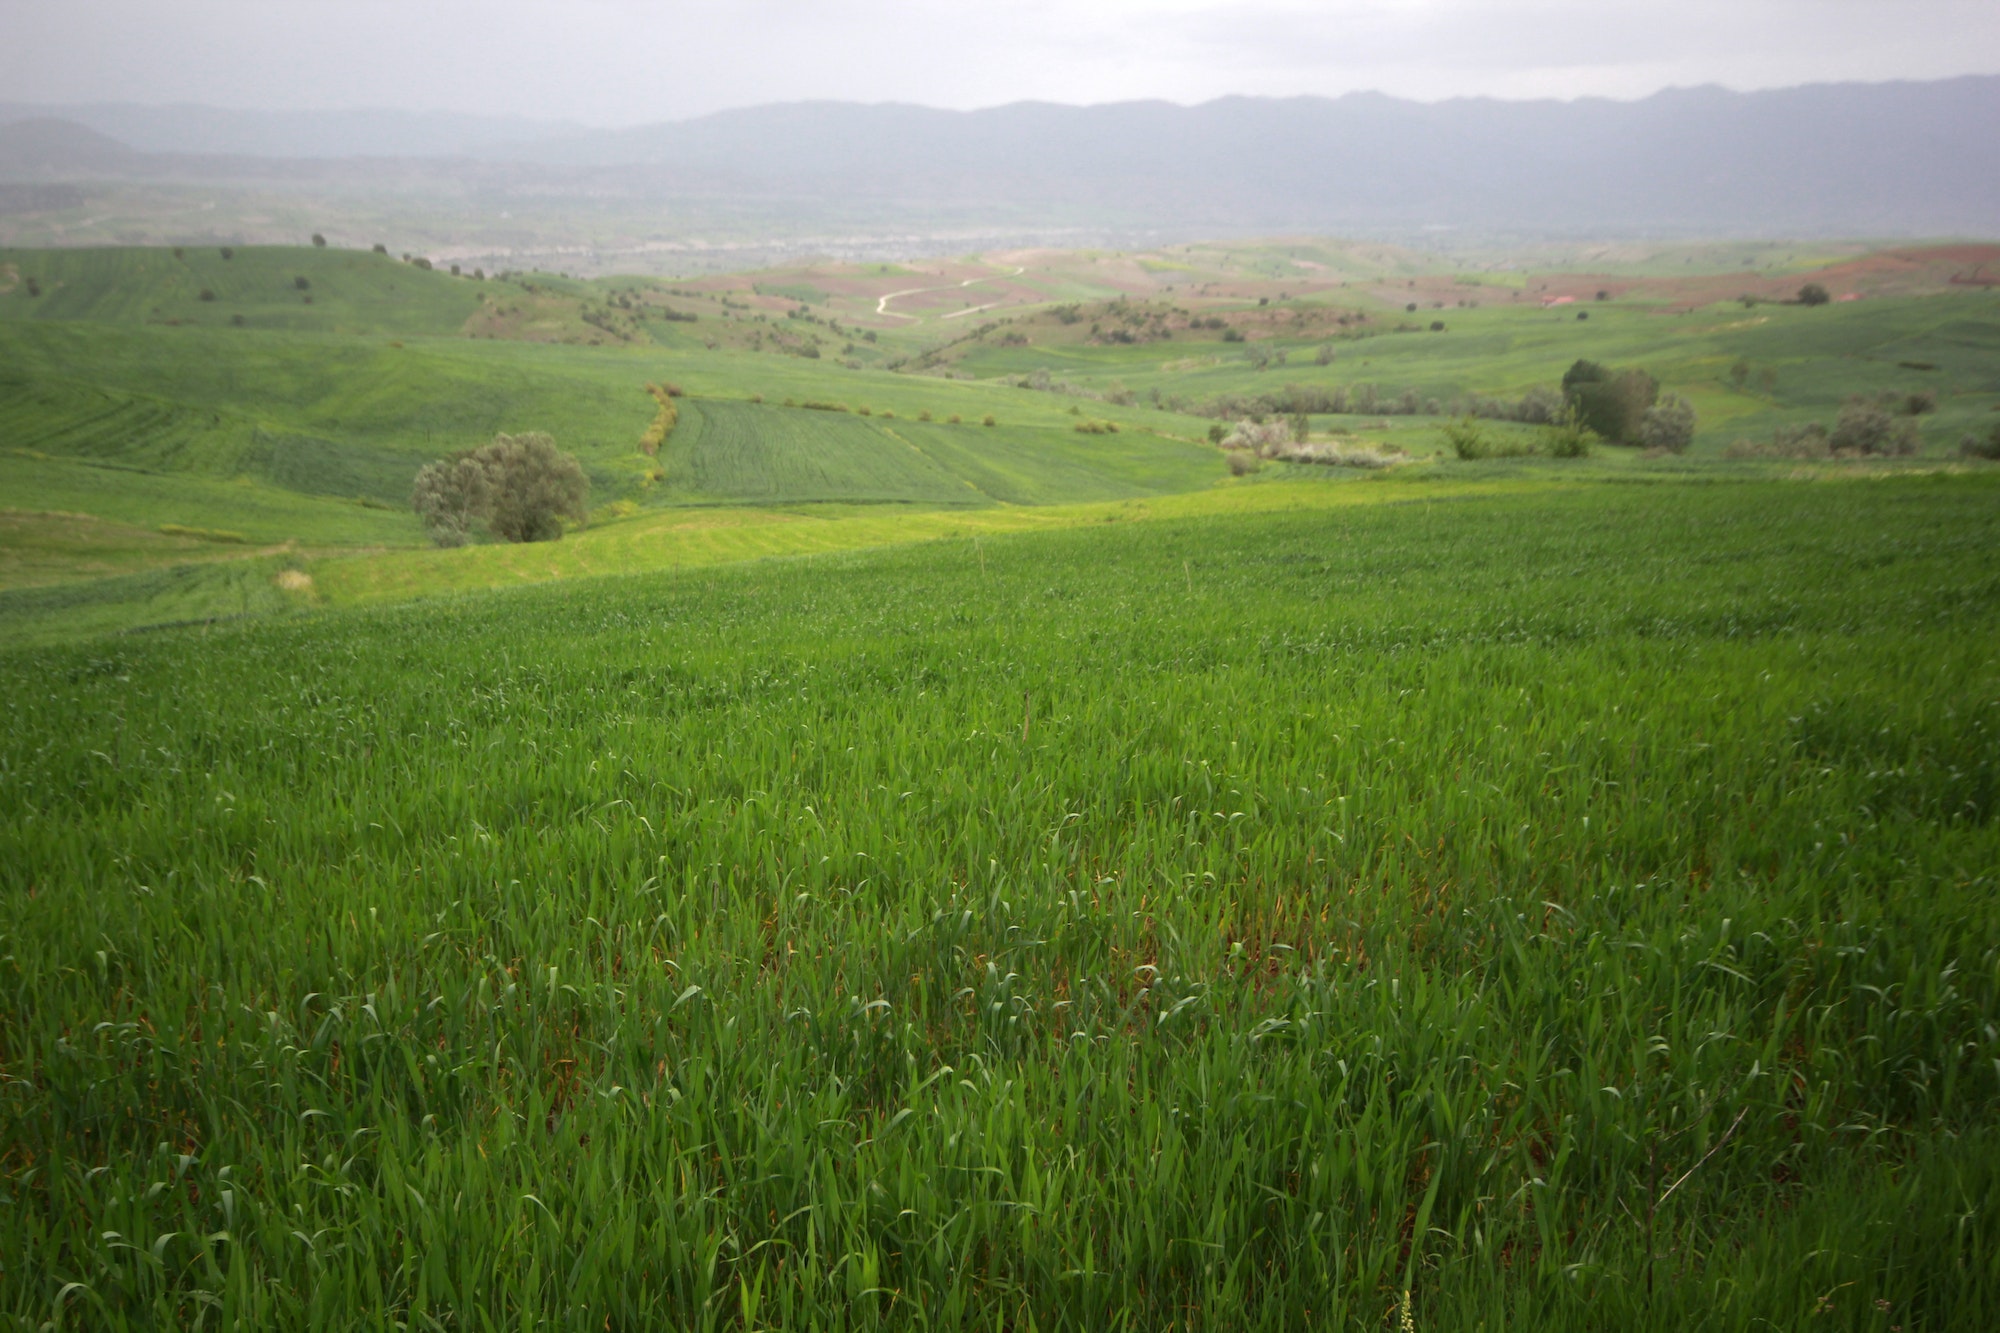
(614, 62)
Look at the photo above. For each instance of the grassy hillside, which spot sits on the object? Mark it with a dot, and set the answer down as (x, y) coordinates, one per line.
(1802, 362)
(128, 400)
(256, 287)
(1566, 910)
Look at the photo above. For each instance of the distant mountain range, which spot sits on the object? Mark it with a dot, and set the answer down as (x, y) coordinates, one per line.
(216, 131)
(1890, 159)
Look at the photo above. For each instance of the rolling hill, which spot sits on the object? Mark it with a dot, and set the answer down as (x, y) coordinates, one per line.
(275, 427)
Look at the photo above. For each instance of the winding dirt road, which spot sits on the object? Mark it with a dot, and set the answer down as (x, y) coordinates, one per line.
(882, 306)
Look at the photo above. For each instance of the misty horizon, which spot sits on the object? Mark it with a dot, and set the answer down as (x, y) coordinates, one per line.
(12, 111)
(621, 63)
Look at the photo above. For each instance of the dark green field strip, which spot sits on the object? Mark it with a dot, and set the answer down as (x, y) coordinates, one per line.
(63, 418)
(761, 453)
(750, 451)
(320, 416)
(261, 512)
(67, 417)
(1024, 466)
(1563, 911)
(183, 594)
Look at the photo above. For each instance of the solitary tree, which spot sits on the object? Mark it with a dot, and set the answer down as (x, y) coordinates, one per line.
(319, 241)
(520, 486)
(1813, 294)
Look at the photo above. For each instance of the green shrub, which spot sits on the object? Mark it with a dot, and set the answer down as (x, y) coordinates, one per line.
(1466, 438)
(1569, 437)
(1801, 442)
(1972, 446)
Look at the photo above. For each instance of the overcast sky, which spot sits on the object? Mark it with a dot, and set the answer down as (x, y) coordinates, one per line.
(617, 62)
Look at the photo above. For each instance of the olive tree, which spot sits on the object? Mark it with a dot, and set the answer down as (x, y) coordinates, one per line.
(521, 487)
(1668, 424)
(1865, 428)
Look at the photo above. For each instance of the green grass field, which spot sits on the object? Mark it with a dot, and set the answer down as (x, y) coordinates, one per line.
(1558, 909)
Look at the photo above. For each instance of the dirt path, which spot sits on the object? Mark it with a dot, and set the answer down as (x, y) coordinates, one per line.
(882, 306)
